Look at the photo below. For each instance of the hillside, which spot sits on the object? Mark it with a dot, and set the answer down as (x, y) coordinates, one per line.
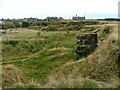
(47, 58)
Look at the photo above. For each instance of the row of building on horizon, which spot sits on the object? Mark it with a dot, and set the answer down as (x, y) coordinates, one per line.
(31, 19)
(37, 19)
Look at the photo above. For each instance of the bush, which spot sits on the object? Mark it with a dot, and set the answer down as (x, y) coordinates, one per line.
(44, 23)
(51, 28)
(7, 25)
(25, 24)
(16, 24)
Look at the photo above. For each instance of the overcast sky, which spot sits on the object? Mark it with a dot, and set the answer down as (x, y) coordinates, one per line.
(92, 9)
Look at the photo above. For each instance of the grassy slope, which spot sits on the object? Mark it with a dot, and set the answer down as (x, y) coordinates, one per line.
(55, 62)
(54, 53)
(100, 68)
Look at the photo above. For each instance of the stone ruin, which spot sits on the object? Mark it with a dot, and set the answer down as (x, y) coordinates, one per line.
(86, 43)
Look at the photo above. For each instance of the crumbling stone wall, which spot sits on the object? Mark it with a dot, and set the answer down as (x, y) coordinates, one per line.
(86, 43)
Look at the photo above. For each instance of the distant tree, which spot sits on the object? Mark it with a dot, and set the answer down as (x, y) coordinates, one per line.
(25, 24)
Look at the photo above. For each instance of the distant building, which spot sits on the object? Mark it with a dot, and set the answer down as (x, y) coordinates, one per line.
(78, 18)
(6, 20)
(53, 18)
(31, 19)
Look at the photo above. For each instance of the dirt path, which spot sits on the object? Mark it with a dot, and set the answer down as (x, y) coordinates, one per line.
(22, 60)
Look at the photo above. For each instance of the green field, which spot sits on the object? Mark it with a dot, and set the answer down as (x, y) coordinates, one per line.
(47, 58)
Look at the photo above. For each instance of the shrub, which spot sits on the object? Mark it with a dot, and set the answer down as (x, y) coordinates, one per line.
(7, 25)
(44, 23)
(16, 24)
(69, 28)
(25, 24)
(51, 28)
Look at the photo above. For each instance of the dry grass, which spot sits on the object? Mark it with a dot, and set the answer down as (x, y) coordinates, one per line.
(12, 75)
(96, 70)
(99, 66)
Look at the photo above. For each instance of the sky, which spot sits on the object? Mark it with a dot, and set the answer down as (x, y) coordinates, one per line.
(92, 9)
